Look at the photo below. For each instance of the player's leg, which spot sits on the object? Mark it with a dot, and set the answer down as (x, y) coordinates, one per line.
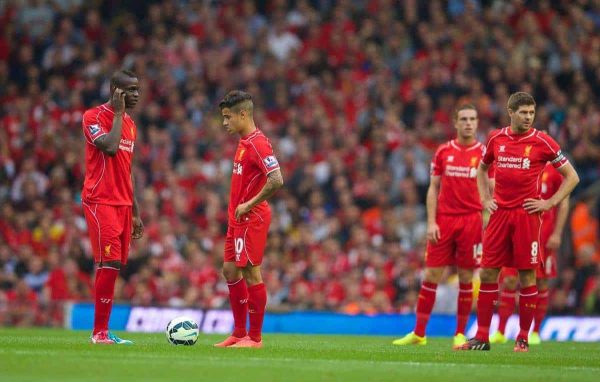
(104, 231)
(425, 303)
(527, 302)
(468, 257)
(251, 249)
(464, 304)
(526, 247)
(238, 292)
(437, 256)
(540, 311)
(509, 280)
(257, 302)
(496, 254)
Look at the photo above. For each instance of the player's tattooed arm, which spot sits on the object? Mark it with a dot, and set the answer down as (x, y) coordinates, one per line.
(109, 143)
(274, 183)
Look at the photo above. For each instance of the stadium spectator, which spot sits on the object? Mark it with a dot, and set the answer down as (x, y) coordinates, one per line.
(355, 95)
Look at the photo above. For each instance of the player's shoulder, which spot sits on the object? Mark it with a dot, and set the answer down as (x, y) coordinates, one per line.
(443, 147)
(95, 111)
(545, 139)
(496, 133)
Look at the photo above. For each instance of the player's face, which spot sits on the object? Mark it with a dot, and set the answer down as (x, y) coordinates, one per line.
(522, 118)
(466, 123)
(131, 87)
(231, 120)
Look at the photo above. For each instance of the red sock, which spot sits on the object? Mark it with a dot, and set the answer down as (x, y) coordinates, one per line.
(506, 308)
(257, 301)
(540, 309)
(104, 290)
(527, 301)
(465, 303)
(238, 299)
(488, 297)
(424, 306)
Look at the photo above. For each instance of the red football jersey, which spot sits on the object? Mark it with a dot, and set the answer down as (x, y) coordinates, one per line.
(551, 181)
(456, 165)
(253, 160)
(519, 160)
(107, 179)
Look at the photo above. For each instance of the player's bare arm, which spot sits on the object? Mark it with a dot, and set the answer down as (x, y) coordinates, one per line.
(570, 180)
(137, 226)
(109, 143)
(433, 230)
(274, 182)
(561, 219)
(484, 187)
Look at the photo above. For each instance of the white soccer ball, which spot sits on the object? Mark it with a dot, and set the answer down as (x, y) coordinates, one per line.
(182, 331)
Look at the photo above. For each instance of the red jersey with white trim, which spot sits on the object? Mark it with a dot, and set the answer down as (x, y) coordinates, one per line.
(107, 179)
(253, 161)
(551, 181)
(456, 165)
(519, 160)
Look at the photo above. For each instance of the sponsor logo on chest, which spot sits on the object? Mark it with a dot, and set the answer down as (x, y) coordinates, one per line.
(516, 162)
(126, 145)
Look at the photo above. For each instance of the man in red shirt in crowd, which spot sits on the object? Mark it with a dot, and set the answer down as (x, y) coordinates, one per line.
(519, 154)
(553, 222)
(256, 176)
(454, 226)
(109, 204)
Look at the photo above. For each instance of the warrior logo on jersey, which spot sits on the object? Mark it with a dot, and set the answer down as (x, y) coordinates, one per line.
(270, 162)
(450, 158)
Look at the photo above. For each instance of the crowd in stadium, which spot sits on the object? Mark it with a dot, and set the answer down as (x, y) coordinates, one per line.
(355, 96)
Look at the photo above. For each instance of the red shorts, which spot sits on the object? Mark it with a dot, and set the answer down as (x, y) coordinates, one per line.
(512, 239)
(109, 230)
(459, 244)
(245, 243)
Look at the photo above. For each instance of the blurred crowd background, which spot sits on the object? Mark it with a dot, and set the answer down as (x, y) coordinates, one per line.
(355, 96)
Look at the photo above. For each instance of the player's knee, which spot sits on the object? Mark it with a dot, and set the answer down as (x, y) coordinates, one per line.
(542, 284)
(465, 276)
(252, 276)
(433, 275)
(231, 272)
(510, 283)
(489, 275)
(111, 264)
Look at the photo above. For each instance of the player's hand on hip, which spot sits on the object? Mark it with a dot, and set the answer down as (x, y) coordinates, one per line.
(490, 205)
(553, 242)
(118, 100)
(536, 205)
(433, 232)
(242, 210)
(138, 228)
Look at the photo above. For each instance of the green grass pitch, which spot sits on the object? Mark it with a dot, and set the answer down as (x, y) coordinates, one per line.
(61, 355)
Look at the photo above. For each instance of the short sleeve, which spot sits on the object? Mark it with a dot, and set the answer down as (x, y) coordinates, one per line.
(266, 160)
(437, 163)
(93, 128)
(551, 151)
(488, 153)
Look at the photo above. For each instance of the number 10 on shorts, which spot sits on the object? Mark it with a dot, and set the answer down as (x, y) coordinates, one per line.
(239, 247)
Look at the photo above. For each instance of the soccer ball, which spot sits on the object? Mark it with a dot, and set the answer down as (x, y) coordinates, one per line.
(182, 331)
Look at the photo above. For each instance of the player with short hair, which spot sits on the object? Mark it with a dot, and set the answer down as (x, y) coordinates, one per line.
(553, 223)
(109, 204)
(256, 176)
(454, 224)
(519, 154)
